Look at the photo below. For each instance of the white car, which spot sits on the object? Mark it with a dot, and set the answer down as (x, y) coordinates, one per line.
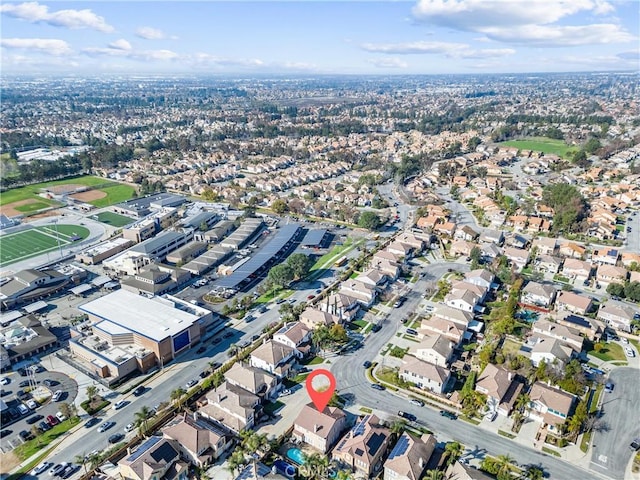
(624, 340)
(119, 405)
(60, 416)
(56, 396)
(285, 392)
(43, 467)
(4, 381)
(32, 404)
(191, 383)
(628, 352)
(129, 428)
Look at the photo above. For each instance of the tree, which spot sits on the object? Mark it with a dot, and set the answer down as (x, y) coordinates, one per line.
(616, 289)
(433, 475)
(66, 410)
(453, 451)
(476, 255)
(569, 206)
(315, 466)
(279, 206)
(82, 460)
(369, 220)
(217, 379)
(632, 291)
(177, 396)
(203, 226)
(522, 402)
(299, 264)
(504, 466)
(142, 420)
(209, 194)
(236, 460)
(280, 275)
(532, 472)
(92, 391)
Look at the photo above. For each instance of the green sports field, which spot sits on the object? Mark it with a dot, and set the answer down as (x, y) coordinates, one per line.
(18, 246)
(542, 144)
(114, 219)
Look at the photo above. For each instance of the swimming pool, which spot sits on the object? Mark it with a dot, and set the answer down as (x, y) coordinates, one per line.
(528, 316)
(296, 455)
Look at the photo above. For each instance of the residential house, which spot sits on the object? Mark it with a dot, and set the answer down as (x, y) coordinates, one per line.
(551, 350)
(560, 332)
(445, 229)
(517, 256)
(461, 471)
(404, 250)
(295, 335)
(628, 258)
(617, 315)
(372, 277)
(465, 233)
(409, 458)
(538, 294)
(365, 293)
(492, 236)
(342, 306)
(605, 256)
(501, 387)
(516, 241)
(231, 406)
(573, 302)
(252, 379)
(435, 349)
(578, 269)
(545, 245)
(424, 375)
(550, 405)
(490, 251)
(274, 357)
(572, 250)
(607, 274)
(364, 447)
(462, 299)
(548, 263)
(461, 248)
(320, 430)
(453, 315)
(157, 458)
(481, 277)
(200, 442)
(590, 328)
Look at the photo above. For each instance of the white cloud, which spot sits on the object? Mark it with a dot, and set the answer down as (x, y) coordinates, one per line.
(449, 49)
(150, 33)
(388, 63)
(49, 46)
(33, 12)
(524, 21)
(120, 44)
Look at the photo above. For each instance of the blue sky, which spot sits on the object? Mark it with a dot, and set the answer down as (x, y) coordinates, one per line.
(354, 37)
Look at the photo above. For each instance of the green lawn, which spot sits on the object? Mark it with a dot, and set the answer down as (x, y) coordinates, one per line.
(29, 243)
(610, 351)
(114, 219)
(32, 207)
(273, 407)
(31, 447)
(115, 194)
(542, 144)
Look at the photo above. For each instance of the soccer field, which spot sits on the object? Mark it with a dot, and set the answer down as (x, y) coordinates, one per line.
(18, 246)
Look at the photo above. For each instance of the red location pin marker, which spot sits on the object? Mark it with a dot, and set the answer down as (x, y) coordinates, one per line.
(321, 398)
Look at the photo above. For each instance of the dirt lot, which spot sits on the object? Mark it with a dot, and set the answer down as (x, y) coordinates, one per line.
(89, 196)
(8, 461)
(69, 187)
(9, 209)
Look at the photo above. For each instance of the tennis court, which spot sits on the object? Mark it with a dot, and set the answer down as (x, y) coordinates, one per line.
(18, 246)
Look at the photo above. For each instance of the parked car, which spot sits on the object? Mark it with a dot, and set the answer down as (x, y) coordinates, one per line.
(4, 393)
(24, 383)
(215, 365)
(4, 381)
(629, 352)
(216, 340)
(24, 435)
(635, 444)
(34, 419)
(4, 433)
(61, 416)
(228, 334)
(412, 331)
(56, 396)
(130, 427)
(43, 467)
(201, 349)
(22, 395)
(285, 392)
(69, 470)
(115, 438)
(49, 383)
(91, 422)
(418, 403)
(51, 420)
(191, 383)
(491, 415)
(409, 416)
(448, 414)
(32, 404)
(105, 426)
(376, 328)
(608, 387)
(44, 426)
(57, 470)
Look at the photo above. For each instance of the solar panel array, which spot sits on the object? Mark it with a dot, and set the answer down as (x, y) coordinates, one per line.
(400, 448)
(313, 238)
(143, 448)
(360, 427)
(262, 257)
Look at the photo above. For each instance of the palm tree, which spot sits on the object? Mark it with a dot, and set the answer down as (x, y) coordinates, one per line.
(176, 396)
(453, 451)
(142, 419)
(217, 379)
(94, 460)
(522, 402)
(236, 461)
(504, 466)
(92, 391)
(397, 428)
(433, 475)
(532, 472)
(344, 475)
(315, 466)
(82, 460)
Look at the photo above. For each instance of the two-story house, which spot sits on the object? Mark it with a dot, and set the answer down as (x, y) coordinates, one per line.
(409, 458)
(550, 405)
(363, 448)
(274, 357)
(320, 430)
(501, 387)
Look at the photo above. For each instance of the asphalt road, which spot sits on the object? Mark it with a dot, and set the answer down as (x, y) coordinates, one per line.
(633, 237)
(351, 378)
(611, 452)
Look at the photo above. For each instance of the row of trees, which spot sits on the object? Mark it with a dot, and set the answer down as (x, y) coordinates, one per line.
(629, 290)
(296, 267)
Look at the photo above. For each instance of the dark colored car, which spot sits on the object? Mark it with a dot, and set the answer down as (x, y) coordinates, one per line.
(51, 420)
(448, 414)
(228, 335)
(22, 395)
(376, 328)
(201, 350)
(14, 414)
(635, 444)
(4, 433)
(366, 364)
(24, 435)
(216, 340)
(204, 373)
(116, 438)
(215, 365)
(4, 393)
(34, 419)
(409, 416)
(24, 383)
(377, 386)
(139, 391)
(44, 426)
(91, 422)
(255, 337)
